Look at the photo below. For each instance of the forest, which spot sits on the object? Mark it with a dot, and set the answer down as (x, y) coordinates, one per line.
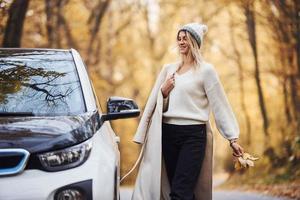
(253, 44)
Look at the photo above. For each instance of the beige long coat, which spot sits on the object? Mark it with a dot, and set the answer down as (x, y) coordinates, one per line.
(152, 182)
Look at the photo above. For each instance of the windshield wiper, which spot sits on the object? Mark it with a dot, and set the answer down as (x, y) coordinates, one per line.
(21, 114)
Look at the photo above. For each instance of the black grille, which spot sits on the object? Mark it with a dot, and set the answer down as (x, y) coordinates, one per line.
(9, 161)
(13, 161)
(34, 163)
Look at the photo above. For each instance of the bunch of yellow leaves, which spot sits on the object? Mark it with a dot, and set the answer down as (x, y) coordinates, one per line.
(245, 161)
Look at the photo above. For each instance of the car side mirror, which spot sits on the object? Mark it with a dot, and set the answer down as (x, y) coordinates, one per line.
(119, 108)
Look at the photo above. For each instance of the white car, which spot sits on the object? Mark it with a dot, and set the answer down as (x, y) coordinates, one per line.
(55, 141)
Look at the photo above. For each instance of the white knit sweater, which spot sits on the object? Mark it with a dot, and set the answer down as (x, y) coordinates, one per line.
(195, 94)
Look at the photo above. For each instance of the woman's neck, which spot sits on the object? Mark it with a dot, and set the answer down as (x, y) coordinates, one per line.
(187, 60)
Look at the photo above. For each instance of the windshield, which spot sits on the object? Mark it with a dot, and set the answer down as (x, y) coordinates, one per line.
(40, 82)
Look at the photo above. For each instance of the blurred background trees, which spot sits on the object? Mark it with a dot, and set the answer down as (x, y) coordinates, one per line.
(254, 45)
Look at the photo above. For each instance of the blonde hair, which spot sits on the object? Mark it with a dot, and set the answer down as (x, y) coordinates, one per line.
(194, 49)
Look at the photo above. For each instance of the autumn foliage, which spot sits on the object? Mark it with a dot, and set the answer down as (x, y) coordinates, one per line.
(255, 46)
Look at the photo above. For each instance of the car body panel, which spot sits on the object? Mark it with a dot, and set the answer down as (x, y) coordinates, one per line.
(38, 185)
(40, 134)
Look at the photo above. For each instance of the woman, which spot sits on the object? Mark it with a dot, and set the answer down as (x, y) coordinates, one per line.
(176, 158)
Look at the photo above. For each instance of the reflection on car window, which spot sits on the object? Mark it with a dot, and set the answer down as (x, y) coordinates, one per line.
(40, 82)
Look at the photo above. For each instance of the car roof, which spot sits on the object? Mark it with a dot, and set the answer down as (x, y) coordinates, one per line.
(33, 49)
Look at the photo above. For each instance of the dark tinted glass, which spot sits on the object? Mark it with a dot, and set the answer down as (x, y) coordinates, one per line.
(39, 82)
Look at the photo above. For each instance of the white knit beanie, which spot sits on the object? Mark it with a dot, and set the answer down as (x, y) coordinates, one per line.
(197, 30)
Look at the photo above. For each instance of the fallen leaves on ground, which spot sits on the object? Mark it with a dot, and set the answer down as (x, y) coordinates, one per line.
(291, 190)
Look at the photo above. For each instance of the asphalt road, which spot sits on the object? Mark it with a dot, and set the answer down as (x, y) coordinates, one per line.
(217, 195)
(126, 192)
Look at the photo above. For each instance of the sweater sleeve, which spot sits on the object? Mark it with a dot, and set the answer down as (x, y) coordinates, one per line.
(225, 119)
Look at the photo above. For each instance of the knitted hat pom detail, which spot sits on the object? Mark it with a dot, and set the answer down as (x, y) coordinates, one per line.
(196, 30)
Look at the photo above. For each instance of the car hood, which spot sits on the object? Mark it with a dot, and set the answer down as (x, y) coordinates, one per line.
(41, 134)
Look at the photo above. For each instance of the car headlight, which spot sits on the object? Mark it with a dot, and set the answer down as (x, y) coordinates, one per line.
(66, 158)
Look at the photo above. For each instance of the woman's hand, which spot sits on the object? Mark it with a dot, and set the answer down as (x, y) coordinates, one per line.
(168, 85)
(237, 149)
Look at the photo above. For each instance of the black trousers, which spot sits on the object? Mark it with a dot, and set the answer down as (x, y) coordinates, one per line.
(183, 148)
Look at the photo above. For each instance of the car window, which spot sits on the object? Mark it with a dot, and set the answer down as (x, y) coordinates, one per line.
(42, 82)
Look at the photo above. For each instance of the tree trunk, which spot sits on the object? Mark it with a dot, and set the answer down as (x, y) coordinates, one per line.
(250, 22)
(49, 6)
(287, 111)
(238, 60)
(95, 21)
(286, 28)
(55, 22)
(284, 76)
(15, 22)
(297, 35)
